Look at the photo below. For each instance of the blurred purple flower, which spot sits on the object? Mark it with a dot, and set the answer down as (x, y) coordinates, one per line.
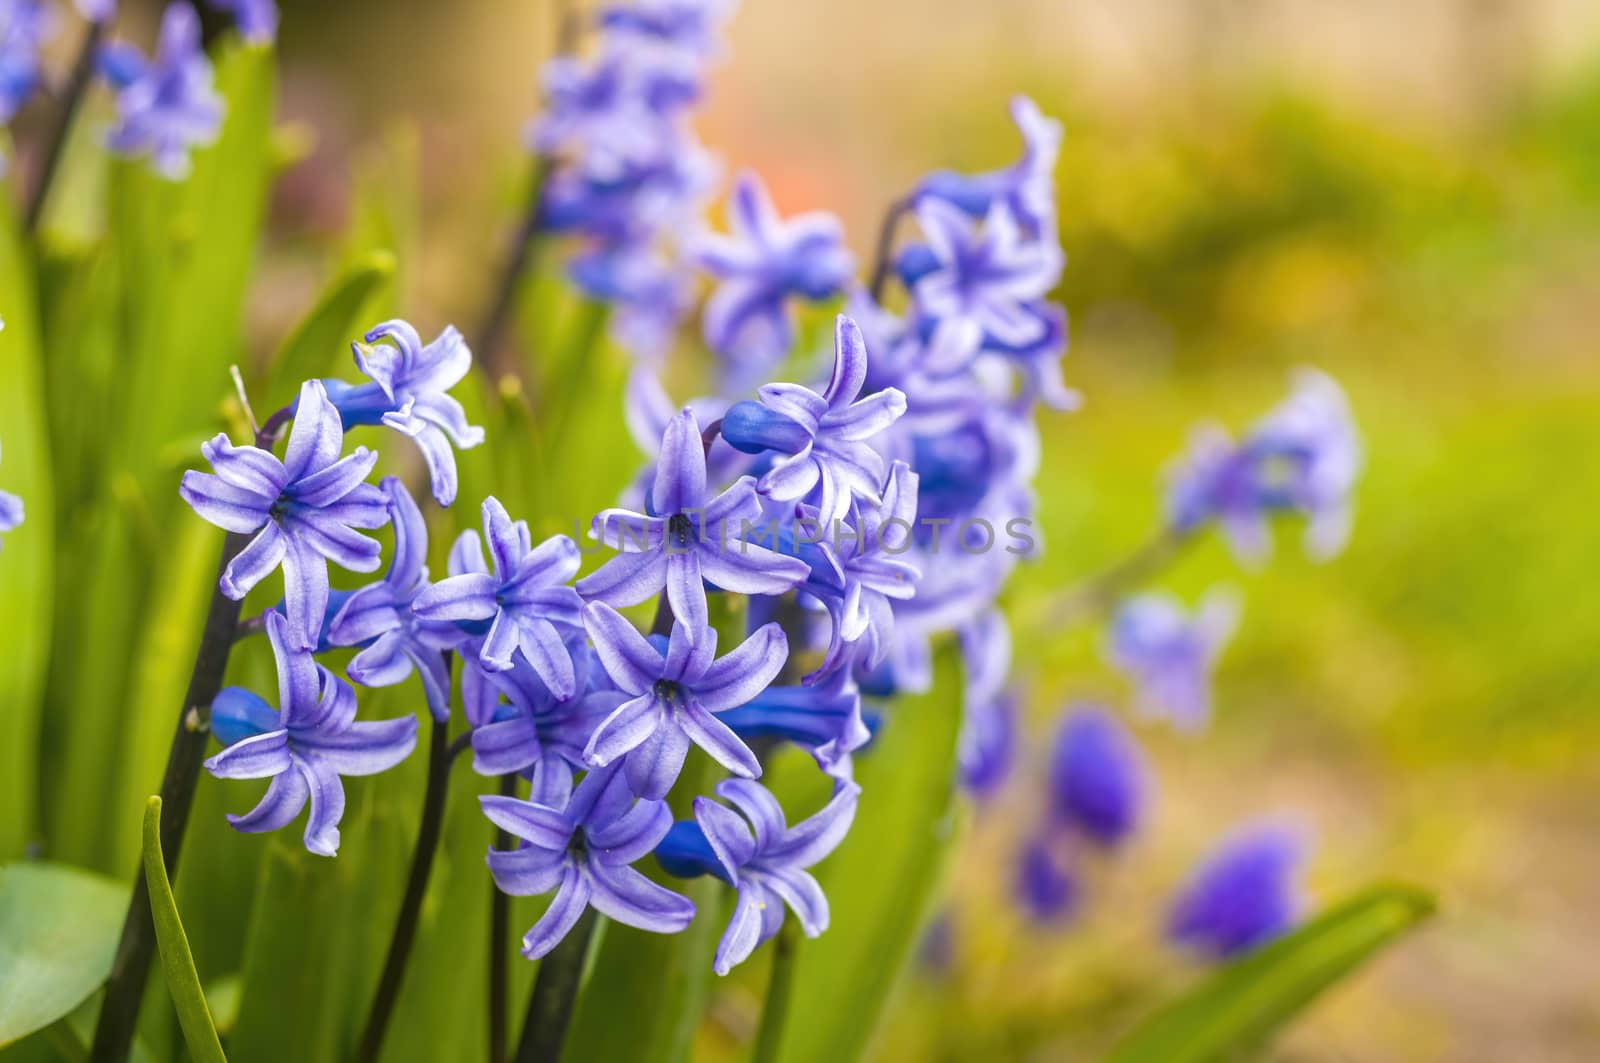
(304, 746)
(582, 848)
(1304, 457)
(11, 512)
(526, 597)
(379, 617)
(690, 26)
(824, 718)
(25, 25)
(257, 19)
(167, 105)
(1047, 887)
(766, 860)
(685, 541)
(1244, 894)
(1026, 188)
(674, 698)
(823, 438)
(1170, 655)
(988, 745)
(1097, 778)
(979, 282)
(96, 10)
(304, 507)
(759, 265)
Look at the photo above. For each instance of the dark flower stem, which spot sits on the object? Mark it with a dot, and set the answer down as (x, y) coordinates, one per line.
(72, 97)
(499, 939)
(554, 992)
(130, 968)
(775, 1011)
(405, 924)
(880, 263)
(1100, 592)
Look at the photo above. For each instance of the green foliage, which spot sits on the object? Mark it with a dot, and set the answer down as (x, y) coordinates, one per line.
(58, 930)
(1236, 1010)
(176, 960)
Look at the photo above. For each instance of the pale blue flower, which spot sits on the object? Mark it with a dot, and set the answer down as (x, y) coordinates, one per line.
(168, 105)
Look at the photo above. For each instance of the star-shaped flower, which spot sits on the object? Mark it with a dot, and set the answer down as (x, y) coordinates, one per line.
(304, 508)
(410, 392)
(685, 541)
(582, 849)
(823, 437)
(304, 746)
(673, 698)
(526, 598)
(759, 265)
(1170, 654)
(980, 282)
(167, 105)
(379, 617)
(1026, 187)
(766, 861)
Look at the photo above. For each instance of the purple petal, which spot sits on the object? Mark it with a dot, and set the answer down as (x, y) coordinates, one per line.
(655, 764)
(500, 643)
(745, 672)
(260, 557)
(871, 415)
(803, 896)
(688, 660)
(633, 900)
(469, 596)
(327, 807)
(570, 901)
(317, 435)
(505, 747)
(367, 614)
(624, 730)
(246, 468)
(815, 837)
(543, 827)
(299, 682)
(504, 538)
(284, 799)
(743, 934)
(229, 508)
(681, 468)
(628, 532)
(260, 756)
(632, 835)
(745, 568)
(849, 364)
(305, 591)
(556, 560)
(542, 645)
(728, 835)
(631, 662)
(410, 562)
(717, 739)
(365, 748)
(527, 872)
(382, 664)
(759, 807)
(626, 579)
(329, 485)
(687, 594)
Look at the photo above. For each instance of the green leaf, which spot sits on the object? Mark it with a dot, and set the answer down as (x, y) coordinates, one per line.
(320, 344)
(1236, 1009)
(177, 963)
(26, 571)
(882, 880)
(58, 932)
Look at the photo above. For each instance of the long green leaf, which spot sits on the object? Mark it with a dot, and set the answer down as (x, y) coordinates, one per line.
(882, 880)
(26, 572)
(1239, 1007)
(177, 963)
(58, 931)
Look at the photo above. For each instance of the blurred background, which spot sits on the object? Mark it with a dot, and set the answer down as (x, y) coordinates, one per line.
(1405, 193)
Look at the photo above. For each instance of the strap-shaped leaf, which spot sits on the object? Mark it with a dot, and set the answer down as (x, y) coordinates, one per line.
(177, 962)
(58, 931)
(319, 346)
(1240, 1006)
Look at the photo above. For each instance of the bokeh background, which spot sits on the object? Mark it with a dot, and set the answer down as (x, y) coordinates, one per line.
(1403, 192)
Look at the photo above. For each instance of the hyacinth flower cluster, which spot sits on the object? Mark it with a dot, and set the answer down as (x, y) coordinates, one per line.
(625, 177)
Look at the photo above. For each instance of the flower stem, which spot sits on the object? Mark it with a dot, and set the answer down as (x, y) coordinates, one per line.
(499, 935)
(880, 263)
(554, 992)
(769, 1035)
(131, 966)
(405, 924)
(1100, 592)
(72, 97)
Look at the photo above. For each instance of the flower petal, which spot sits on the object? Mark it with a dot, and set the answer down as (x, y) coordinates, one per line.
(745, 672)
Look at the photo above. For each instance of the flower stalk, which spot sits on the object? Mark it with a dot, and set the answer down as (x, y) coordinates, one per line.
(775, 1010)
(544, 1030)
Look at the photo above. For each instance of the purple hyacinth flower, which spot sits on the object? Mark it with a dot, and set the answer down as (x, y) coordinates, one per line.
(685, 541)
(689, 26)
(674, 698)
(1047, 886)
(257, 19)
(759, 265)
(538, 733)
(25, 25)
(167, 105)
(11, 512)
(1026, 188)
(1303, 457)
(410, 392)
(379, 617)
(981, 282)
(1097, 778)
(988, 744)
(304, 746)
(1170, 654)
(525, 597)
(1244, 894)
(766, 860)
(305, 509)
(823, 438)
(824, 718)
(603, 117)
(583, 848)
